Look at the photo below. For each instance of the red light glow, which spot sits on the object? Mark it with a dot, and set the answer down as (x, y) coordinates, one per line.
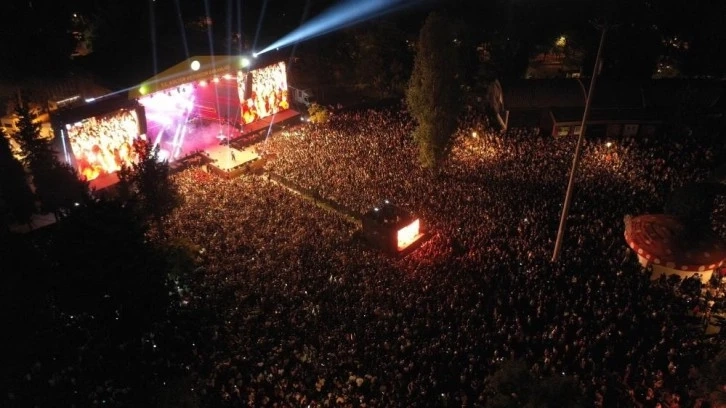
(408, 235)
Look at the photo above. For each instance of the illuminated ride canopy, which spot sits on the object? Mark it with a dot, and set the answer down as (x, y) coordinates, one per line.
(102, 144)
(672, 247)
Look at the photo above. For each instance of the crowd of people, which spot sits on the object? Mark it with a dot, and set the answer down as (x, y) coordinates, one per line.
(303, 313)
(288, 306)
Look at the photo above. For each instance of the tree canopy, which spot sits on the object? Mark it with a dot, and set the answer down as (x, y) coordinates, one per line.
(57, 185)
(434, 92)
(147, 184)
(513, 385)
(17, 203)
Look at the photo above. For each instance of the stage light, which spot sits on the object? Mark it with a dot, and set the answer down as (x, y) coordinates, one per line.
(196, 65)
(245, 62)
(344, 14)
(254, 55)
(215, 80)
(202, 83)
(609, 144)
(89, 100)
(143, 89)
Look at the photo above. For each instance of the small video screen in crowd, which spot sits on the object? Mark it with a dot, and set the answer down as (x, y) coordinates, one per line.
(268, 93)
(102, 144)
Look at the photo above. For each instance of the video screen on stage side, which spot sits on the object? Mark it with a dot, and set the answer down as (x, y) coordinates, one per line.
(102, 144)
(268, 93)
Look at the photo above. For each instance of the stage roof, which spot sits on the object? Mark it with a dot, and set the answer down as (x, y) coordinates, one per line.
(182, 73)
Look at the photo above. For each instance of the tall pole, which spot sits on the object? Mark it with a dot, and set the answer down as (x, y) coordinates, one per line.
(578, 148)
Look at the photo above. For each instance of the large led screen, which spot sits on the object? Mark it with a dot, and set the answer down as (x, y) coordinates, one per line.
(268, 93)
(102, 144)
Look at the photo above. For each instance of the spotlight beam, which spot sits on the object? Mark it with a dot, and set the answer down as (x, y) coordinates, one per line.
(259, 24)
(344, 14)
(183, 33)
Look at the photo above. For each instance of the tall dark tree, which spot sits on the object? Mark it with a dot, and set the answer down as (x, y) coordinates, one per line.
(148, 184)
(37, 154)
(57, 185)
(36, 151)
(382, 58)
(65, 190)
(513, 385)
(434, 94)
(16, 199)
(104, 265)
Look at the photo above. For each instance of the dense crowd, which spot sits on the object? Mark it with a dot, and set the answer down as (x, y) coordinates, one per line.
(307, 314)
(288, 306)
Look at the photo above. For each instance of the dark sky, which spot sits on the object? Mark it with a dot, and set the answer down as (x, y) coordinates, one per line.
(133, 36)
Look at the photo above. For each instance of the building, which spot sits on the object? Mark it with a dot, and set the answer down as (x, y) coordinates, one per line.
(619, 108)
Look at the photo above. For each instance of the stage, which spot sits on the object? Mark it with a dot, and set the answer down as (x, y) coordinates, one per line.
(226, 157)
(229, 162)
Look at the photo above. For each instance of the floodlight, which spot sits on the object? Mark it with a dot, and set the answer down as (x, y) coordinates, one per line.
(245, 62)
(195, 65)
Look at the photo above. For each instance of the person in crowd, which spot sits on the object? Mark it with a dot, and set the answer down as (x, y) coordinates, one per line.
(293, 310)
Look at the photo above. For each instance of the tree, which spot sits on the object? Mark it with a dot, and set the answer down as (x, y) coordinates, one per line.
(318, 114)
(104, 266)
(381, 58)
(558, 391)
(57, 185)
(509, 386)
(513, 385)
(147, 184)
(434, 92)
(36, 151)
(16, 199)
(65, 189)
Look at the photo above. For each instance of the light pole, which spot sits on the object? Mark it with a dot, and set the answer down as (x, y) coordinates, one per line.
(578, 148)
